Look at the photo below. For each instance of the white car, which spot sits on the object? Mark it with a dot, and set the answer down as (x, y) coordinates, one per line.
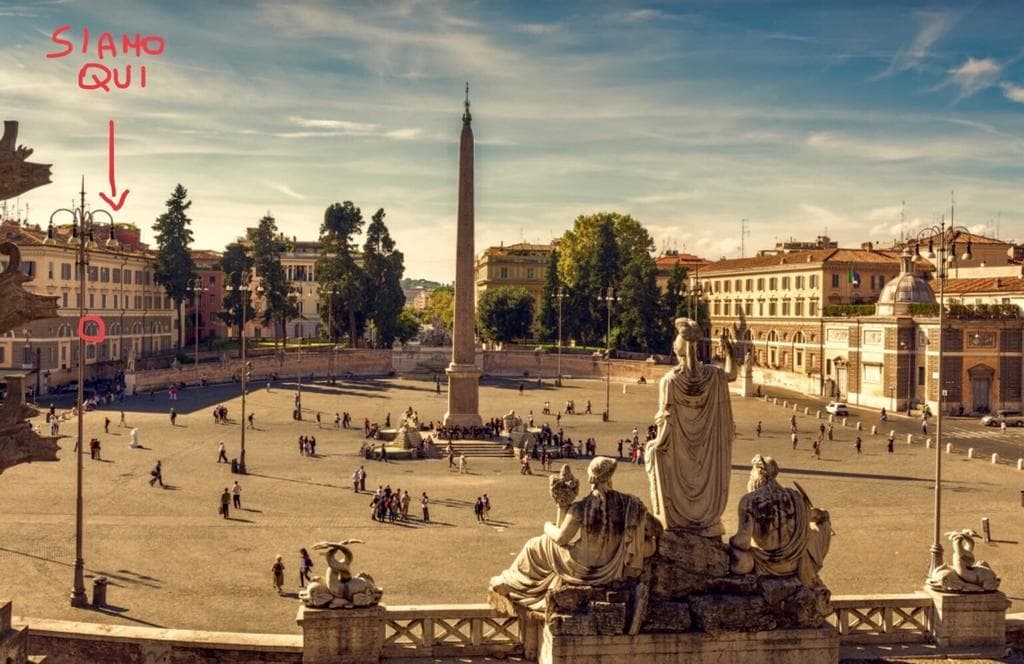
(837, 408)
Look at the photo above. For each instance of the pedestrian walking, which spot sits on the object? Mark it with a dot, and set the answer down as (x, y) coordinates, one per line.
(225, 502)
(122, 423)
(355, 482)
(793, 438)
(890, 443)
(478, 509)
(425, 505)
(222, 454)
(520, 389)
(856, 444)
(94, 448)
(1002, 426)
(792, 422)
(829, 431)
(337, 420)
(883, 416)
(174, 417)
(383, 453)
(924, 426)
(305, 565)
(157, 474)
(106, 425)
(757, 429)
(318, 420)
(589, 411)
(619, 446)
(487, 507)
(251, 424)
(404, 504)
(236, 495)
(463, 464)
(278, 568)
(362, 478)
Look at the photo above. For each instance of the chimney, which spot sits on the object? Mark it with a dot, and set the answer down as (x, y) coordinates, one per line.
(999, 282)
(867, 246)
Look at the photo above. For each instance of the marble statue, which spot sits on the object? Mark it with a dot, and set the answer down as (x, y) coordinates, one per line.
(964, 574)
(780, 532)
(689, 461)
(20, 306)
(341, 590)
(130, 368)
(602, 538)
(564, 489)
(511, 422)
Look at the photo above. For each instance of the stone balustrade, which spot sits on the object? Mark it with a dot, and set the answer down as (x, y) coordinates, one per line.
(450, 630)
(882, 619)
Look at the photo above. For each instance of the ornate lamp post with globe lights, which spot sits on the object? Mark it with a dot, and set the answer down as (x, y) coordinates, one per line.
(195, 285)
(243, 288)
(83, 226)
(943, 254)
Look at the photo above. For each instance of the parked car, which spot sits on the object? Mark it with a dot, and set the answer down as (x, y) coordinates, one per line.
(837, 408)
(1013, 418)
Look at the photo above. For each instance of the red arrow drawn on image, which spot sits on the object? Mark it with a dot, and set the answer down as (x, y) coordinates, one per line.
(113, 183)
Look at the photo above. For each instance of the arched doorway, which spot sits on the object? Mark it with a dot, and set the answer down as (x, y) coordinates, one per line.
(981, 377)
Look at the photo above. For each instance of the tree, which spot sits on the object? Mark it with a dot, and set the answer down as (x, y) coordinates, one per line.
(673, 305)
(173, 266)
(384, 266)
(267, 245)
(440, 309)
(408, 326)
(639, 306)
(235, 262)
(505, 313)
(593, 257)
(548, 319)
(337, 269)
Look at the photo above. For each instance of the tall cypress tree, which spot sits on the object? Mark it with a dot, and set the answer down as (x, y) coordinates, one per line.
(337, 269)
(234, 264)
(384, 266)
(174, 267)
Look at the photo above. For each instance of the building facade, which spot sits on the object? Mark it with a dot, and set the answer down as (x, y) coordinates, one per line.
(209, 297)
(521, 265)
(120, 288)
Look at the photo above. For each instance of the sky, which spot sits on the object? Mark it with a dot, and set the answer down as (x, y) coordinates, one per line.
(802, 118)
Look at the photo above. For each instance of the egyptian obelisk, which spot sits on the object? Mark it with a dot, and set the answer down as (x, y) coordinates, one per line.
(463, 375)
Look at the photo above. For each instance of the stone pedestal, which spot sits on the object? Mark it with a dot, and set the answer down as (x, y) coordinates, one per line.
(12, 641)
(341, 636)
(782, 646)
(969, 620)
(463, 396)
(129, 384)
(747, 388)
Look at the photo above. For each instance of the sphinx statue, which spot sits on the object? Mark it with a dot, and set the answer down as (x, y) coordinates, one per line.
(964, 574)
(780, 532)
(689, 461)
(599, 540)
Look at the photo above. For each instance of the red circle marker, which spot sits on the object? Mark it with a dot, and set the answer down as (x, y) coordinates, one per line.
(100, 335)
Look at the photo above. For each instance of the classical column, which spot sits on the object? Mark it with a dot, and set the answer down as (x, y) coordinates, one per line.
(463, 375)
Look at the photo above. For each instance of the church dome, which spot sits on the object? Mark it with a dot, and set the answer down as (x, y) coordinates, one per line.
(906, 289)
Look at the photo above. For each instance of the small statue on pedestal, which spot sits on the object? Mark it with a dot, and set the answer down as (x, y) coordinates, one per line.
(963, 575)
(342, 590)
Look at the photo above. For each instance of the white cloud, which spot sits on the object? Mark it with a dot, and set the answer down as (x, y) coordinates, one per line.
(643, 15)
(403, 134)
(934, 26)
(286, 190)
(668, 197)
(973, 75)
(539, 28)
(339, 125)
(1013, 92)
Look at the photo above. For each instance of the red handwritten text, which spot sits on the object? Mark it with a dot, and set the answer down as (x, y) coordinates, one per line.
(98, 76)
(96, 331)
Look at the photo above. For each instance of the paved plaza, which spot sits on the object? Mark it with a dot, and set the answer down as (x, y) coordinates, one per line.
(173, 561)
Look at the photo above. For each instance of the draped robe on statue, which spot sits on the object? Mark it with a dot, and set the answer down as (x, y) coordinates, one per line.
(689, 462)
(610, 547)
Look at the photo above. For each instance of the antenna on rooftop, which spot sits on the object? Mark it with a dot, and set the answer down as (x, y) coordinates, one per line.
(999, 216)
(903, 220)
(744, 232)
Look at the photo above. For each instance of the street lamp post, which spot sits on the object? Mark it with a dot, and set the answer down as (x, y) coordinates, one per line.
(196, 286)
(243, 289)
(943, 255)
(82, 228)
(330, 330)
(561, 296)
(609, 298)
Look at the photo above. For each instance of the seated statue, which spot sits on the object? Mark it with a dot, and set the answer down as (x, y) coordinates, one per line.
(599, 539)
(963, 575)
(780, 532)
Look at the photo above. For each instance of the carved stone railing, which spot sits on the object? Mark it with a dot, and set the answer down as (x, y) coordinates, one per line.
(882, 619)
(449, 630)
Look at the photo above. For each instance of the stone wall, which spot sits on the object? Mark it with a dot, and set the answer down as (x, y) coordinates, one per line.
(530, 364)
(67, 642)
(359, 362)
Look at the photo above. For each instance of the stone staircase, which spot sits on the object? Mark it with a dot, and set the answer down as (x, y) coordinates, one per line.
(479, 448)
(13, 642)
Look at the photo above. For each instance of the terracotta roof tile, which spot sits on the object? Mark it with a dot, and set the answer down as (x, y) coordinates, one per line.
(986, 285)
(809, 257)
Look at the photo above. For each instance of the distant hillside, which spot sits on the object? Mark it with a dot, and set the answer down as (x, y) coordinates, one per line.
(420, 283)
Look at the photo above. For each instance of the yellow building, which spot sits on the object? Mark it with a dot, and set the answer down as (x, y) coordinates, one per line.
(521, 265)
(120, 288)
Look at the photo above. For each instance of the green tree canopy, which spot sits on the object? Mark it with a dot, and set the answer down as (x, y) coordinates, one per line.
(267, 246)
(505, 313)
(384, 266)
(337, 269)
(408, 326)
(235, 264)
(173, 266)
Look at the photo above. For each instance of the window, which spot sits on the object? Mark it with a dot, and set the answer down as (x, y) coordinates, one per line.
(65, 271)
(812, 308)
(718, 308)
(813, 279)
(760, 284)
(103, 301)
(785, 283)
(529, 273)
(772, 283)
(116, 300)
(92, 300)
(835, 281)
(785, 307)
(105, 275)
(750, 285)
(49, 270)
(799, 282)
(872, 373)
(728, 285)
(127, 277)
(116, 275)
(65, 300)
(726, 308)
(772, 308)
(213, 280)
(138, 301)
(798, 308)
(920, 375)
(503, 273)
(29, 268)
(749, 308)
(760, 308)
(94, 274)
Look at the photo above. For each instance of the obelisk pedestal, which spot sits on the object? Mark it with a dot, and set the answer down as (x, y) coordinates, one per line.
(463, 374)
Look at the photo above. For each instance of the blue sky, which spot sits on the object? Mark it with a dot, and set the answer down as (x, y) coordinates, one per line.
(799, 117)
